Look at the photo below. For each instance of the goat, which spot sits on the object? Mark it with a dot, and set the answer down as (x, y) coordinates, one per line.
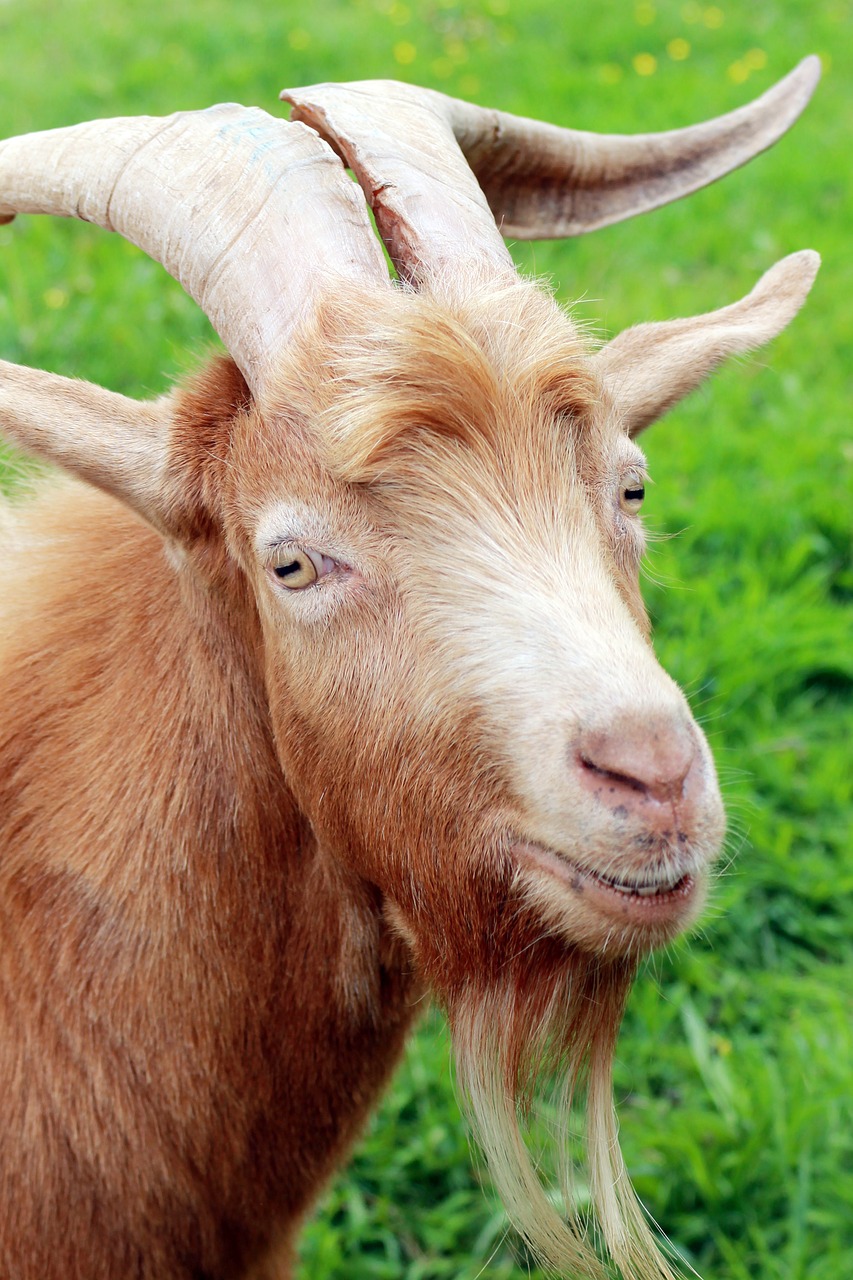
(326, 678)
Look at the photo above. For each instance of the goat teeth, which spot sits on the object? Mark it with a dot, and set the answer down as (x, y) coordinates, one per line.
(640, 890)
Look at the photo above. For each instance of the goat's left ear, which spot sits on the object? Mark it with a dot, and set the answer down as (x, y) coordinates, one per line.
(119, 445)
(649, 368)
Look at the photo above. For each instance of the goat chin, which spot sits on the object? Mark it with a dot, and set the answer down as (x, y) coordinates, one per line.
(555, 1015)
(533, 1015)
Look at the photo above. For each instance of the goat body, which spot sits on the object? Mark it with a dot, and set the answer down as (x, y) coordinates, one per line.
(199, 1005)
(330, 685)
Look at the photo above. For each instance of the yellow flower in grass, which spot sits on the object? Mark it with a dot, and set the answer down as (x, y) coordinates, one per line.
(405, 53)
(645, 64)
(678, 49)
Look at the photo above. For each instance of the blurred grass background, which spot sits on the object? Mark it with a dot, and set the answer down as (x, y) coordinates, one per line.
(735, 1071)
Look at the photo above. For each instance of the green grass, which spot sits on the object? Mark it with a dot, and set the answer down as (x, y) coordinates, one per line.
(735, 1072)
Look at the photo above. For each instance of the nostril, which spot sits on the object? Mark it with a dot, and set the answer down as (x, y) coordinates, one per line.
(612, 775)
(640, 764)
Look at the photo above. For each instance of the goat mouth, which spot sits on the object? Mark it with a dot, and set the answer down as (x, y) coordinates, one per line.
(642, 900)
(652, 889)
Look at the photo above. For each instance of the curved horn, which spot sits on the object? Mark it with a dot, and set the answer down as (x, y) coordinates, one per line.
(247, 212)
(399, 142)
(411, 150)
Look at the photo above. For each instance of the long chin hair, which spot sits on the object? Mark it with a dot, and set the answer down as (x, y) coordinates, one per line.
(553, 1012)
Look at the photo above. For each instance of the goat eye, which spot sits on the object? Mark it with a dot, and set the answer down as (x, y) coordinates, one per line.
(632, 494)
(296, 569)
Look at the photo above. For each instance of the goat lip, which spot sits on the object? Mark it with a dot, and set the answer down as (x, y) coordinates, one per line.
(638, 900)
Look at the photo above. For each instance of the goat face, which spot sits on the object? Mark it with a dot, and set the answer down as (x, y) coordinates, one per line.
(464, 696)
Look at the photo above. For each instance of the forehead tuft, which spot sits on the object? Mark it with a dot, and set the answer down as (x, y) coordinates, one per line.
(480, 367)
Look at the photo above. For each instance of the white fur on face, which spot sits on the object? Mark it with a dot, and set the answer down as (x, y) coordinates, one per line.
(519, 616)
(512, 558)
(505, 605)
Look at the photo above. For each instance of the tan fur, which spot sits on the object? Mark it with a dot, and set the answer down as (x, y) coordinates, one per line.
(240, 827)
(184, 971)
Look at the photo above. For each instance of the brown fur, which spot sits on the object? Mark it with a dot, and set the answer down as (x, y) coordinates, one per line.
(239, 832)
(183, 969)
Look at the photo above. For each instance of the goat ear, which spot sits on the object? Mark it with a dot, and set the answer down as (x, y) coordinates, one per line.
(115, 443)
(649, 368)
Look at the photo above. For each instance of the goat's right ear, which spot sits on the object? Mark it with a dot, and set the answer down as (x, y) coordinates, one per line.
(119, 445)
(649, 368)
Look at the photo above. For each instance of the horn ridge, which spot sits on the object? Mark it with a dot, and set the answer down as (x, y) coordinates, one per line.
(439, 172)
(179, 188)
(399, 141)
(543, 181)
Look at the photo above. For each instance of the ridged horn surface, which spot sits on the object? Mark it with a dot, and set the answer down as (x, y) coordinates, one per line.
(543, 181)
(399, 142)
(253, 215)
(412, 150)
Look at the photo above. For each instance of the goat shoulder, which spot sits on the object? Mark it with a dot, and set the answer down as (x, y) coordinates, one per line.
(197, 1008)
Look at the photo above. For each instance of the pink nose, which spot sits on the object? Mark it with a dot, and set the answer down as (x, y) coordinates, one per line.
(642, 765)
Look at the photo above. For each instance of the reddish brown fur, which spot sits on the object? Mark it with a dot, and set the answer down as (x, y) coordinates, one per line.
(234, 849)
(160, 1116)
